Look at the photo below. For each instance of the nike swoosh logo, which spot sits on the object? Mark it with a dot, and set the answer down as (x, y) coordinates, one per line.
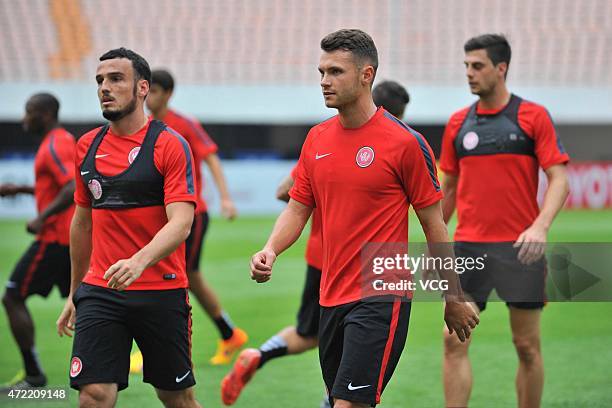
(179, 379)
(317, 156)
(351, 388)
(84, 173)
(102, 155)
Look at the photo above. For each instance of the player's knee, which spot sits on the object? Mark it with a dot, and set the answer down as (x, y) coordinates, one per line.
(314, 342)
(309, 342)
(527, 348)
(95, 395)
(453, 347)
(6, 301)
(177, 399)
(9, 300)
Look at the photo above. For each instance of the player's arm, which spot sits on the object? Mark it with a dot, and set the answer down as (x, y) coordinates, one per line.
(80, 254)
(287, 230)
(449, 187)
(63, 200)
(282, 191)
(216, 170)
(450, 166)
(10, 189)
(458, 314)
(532, 240)
(125, 271)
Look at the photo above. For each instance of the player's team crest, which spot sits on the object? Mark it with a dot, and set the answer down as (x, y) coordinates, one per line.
(133, 154)
(470, 140)
(365, 156)
(96, 188)
(76, 365)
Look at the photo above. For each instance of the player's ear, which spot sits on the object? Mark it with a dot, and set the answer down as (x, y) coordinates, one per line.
(502, 68)
(367, 74)
(142, 87)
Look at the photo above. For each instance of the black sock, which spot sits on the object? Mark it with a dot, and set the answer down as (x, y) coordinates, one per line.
(276, 346)
(225, 326)
(30, 360)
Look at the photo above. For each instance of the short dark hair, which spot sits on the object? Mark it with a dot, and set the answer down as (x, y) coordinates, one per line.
(162, 78)
(46, 103)
(496, 45)
(140, 65)
(391, 96)
(359, 43)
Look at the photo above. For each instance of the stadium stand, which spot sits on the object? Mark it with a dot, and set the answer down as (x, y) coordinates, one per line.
(562, 43)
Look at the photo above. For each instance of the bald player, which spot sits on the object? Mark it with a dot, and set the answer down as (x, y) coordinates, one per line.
(46, 263)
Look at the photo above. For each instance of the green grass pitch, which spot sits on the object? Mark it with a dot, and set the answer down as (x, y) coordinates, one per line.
(576, 337)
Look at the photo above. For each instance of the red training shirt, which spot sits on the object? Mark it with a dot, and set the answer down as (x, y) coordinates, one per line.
(363, 182)
(120, 233)
(201, 146)
(497, 194)
(53, 168)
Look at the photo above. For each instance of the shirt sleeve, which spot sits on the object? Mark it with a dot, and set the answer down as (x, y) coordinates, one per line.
(548, 147)
(293, 173)
(448, 155)
(201, 143)
(174, 160)
(61, 157)
(419, 174)
(302, 189)
(81, 193)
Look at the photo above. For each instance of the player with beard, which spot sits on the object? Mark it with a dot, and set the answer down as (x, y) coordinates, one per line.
(491, 155)
(135, 201)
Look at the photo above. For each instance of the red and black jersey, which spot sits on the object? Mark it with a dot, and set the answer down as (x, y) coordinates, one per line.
(497, 154)
(363, 182)
(118, 233)
(53, 168)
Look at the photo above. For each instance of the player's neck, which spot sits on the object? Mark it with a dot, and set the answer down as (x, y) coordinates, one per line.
(498, 98)
(130, 124)
(357, 114)
(45, 131)
(161, 113)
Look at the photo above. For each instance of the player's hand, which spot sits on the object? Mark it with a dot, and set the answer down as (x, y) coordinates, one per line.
(65, 322)
(228, 209)
(8, 189)
(35, 225)
(460, 318)
(261, 265)
(123, 273)
(532, 244)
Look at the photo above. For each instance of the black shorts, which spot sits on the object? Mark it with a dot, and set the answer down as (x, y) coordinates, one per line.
(106, 322)
(520, 286)
(193, 244)
(360, 344)
(310, 312)
(43, 265)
